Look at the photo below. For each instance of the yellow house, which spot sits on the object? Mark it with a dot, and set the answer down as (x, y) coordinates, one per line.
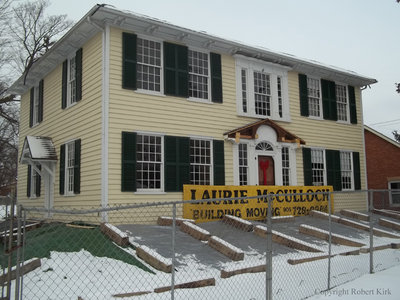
(126, 109)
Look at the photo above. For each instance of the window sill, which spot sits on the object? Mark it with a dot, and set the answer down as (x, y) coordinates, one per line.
(200, 100)
(149, 92)
(316, 118)
(150, 193)
(343, 122)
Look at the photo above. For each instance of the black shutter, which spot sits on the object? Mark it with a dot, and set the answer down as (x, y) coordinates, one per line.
(64, 84)
(128, 162)
(38, 182)
(77, 167)
(303, 95)
(334, 175)
(32, 103)
(329, 99)
(356, 170)
(353, 106)
(62, 169)
(40, 112)
(219, 162)
(129, 60)
(176, 70)
(28, 182)
(307, 167)
(78, 74)
(216, 78)
(177, 163)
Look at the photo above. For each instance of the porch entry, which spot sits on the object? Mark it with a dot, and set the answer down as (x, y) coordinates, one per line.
(266, 170)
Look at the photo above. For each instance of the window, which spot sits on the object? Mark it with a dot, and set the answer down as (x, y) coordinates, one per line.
(71, 97)
(261, 89)
(342, 103)
(346, 170)
(149, 162)
(200, 162)
(318, 167)
(70, 168)
(395, 192)
(285, 166)
(72, 80)
(314, 97)
(36, 105)
(35, 113)
(264, 146)
(34, 181)
(148, 65)
(198, 74)
(243, 165)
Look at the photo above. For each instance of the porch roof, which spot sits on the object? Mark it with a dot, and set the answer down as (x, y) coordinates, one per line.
(38, 148)
(249, 131)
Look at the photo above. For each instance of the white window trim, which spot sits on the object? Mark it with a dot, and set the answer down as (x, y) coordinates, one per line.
(348, 102)
(161, 189)
(325, 170)
(390, 193)
(149, 92)
(35, 108)
(211, 154)
(321, 109)
(66, 178)
(33, 180)
(202, 100)
(352, 171)
(69, 92)
(274, 71)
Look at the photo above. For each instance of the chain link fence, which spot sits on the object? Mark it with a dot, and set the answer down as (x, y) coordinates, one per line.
(149, 251)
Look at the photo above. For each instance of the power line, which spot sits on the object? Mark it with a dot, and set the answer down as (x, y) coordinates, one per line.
(386, 122)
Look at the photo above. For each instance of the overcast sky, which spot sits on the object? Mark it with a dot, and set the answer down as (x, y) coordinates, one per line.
(357, 35)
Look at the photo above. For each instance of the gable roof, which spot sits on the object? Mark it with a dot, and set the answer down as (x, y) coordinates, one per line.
(38, 148)
(382, 136)
(100, 15)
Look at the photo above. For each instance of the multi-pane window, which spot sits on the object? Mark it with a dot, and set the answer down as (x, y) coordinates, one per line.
(395, 192)
(243, 165)
(148, 65)
(279, 89)
(314, 97)
(318, 166)
(71, 91)
(198, 74)
(262, 94)
(244, 90)
(149, 162)
(346, 170)
(200, 162)
(341, 102)
(285, 166)
(69, 167)
(35, 114)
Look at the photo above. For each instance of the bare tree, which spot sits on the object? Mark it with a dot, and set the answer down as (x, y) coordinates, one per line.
(396, 136)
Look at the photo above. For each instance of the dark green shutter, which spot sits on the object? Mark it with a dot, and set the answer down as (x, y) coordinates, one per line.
(176, 70)
(62, 169)
(356, 170)
(307, 167)
(64, 84)
(129, 60)
(353, 106)
(28, 182)
(216, 78)
(40, 112)
(78, 74)
(177, 163)
(219, 162)
(329, 100)
(38, 182)
(77, 167)
(303, 90)
(32, 103)
(333, 172)
(128, 163)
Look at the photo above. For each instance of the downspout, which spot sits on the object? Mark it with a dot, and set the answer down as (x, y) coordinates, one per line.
(365, 151)
(105, 100)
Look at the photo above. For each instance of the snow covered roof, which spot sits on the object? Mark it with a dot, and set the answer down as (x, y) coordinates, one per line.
(100, 15)
(38, 148)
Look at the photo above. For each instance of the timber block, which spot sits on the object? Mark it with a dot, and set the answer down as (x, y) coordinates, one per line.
(254, 269)
(154, 259)
(354, 215)
(195, 231)
(116, 235)
(389, 224)
(295, 261)
(188, 285)
(26, 268)
(238, 223)
(387, 213)
(167, 221)
(323, 234)
(323, 215)
(124, 295)
(282, 219)
(226, 248)
(376, 248)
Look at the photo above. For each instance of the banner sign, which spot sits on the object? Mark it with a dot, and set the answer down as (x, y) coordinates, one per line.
(285, 203)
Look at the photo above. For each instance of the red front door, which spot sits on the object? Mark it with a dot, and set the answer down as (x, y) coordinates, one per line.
(266, 174)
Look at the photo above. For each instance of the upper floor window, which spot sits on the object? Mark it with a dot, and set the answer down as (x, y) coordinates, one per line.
(72, 80)
(198, 75)
(36, 104)
(148, 65)
(342, 103)
(314, 97)
(262, 89)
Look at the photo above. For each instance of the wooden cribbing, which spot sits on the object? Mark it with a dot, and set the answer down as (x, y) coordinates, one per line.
(226, 248)
(387, 213)
(114, 234)
(195, 231)
(188, 285)
(254, 269)
(154, 259)
(26, 268)
(389, 224)
(167, 221)
(354, 215)
(238, 223)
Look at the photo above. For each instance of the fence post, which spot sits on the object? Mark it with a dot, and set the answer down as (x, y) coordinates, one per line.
(173, 251)
(18, 256)
(269, 251)
(371, 234)
(329, 240)
(9, 250)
